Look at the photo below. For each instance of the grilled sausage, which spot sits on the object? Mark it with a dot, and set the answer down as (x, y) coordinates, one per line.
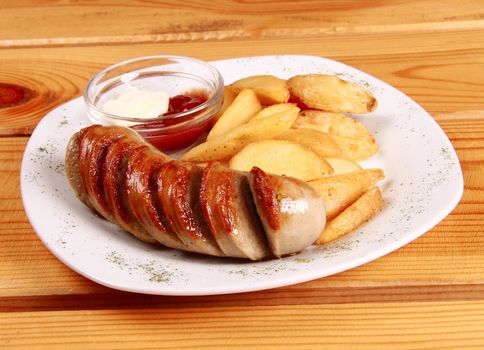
(215, 211)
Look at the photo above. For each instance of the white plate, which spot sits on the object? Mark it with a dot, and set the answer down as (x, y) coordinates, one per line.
(423, 184)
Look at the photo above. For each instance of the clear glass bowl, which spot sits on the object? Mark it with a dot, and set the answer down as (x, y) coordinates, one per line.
(174, 75)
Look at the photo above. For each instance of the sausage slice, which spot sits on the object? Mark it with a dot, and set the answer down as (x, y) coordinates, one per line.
(178, 194)
(291, 212)
(230, 213)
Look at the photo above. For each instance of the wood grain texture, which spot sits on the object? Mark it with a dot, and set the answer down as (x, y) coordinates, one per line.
(56, 75)
(304, 294)
(109, 21)
(426, 295)
(451, 254)
(426, 325)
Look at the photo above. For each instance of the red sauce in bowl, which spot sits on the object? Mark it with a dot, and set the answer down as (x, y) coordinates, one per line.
(173, 139)
(183, 103)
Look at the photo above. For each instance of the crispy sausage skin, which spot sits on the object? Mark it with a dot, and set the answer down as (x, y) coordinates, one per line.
(212, 210)
(178, 192)
(229, 210)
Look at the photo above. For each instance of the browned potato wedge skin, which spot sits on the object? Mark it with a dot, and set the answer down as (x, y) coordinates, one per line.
(330, 93)
(352, 137)
(281, 157)
(243, 108)
(269, 89)
(340, 191)
(318, 142)
(353, 217)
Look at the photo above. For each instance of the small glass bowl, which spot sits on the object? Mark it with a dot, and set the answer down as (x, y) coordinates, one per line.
(174, 75)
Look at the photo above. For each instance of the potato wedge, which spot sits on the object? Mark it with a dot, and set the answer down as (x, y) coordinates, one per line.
(353, 217)
(230, 143)
(355, 149)
(342, 165)
(274, 109)
(319, 142)
(244, 107)
(281, 157)
(314, 120)
(354, 139)
(332, 123)
(330, 93)
(229, 97)
(340, 191)
(269, 89)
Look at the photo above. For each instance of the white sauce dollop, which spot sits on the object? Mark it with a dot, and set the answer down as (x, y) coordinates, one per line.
(141, 104)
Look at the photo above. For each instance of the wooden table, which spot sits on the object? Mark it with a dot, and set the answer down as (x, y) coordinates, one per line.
(426, 295)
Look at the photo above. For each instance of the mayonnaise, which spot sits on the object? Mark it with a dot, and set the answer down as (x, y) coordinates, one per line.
(141, 104)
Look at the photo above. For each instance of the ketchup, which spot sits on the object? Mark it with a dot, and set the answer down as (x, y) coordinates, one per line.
(183, 103)
(178, 138)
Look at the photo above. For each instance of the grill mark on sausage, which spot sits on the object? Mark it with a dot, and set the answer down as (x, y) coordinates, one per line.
(225, 198)
(142, 163)
(113, 179)
(265, 194)
(93, 151)
(179, 199)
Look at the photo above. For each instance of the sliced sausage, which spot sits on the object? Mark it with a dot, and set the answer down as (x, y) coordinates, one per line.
(228, 209)
(142, 165)
(291, 212)
(178, 194)
(216, 211)
(114, 186)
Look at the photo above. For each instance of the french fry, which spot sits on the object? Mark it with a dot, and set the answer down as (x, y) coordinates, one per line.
(229, 97)
(269, 89)
(342, 165)
(281, 157)
(353, 217)
(330, 93)
(230, 143)
(340, 191)
(244, 107)
(354, 139)
(319, 142)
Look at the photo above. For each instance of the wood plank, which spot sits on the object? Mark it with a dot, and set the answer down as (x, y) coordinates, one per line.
(452, 253)
(56, 75)
(426, 295)
(306, 294)
(23, 256)
(86, 22)
(426, 325)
